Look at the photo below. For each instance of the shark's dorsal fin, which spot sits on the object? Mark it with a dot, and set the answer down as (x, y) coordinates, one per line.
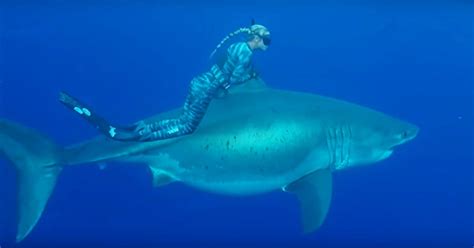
(249, 86)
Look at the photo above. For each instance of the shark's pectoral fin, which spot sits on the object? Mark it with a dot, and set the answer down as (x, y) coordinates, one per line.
(314, 194)
(160, 178)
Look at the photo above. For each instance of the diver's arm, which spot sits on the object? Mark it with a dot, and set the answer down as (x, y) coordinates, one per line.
(242, 71)
(238, 64)
(239, 72)
(239, 76)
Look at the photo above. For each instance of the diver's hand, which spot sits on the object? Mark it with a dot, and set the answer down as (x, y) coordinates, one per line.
(253, 75)
(221, 92)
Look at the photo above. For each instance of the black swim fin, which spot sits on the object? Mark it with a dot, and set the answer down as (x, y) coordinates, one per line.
(85, 112)
(113, 132)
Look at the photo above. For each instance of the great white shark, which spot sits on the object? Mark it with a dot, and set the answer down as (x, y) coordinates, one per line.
(255, 140)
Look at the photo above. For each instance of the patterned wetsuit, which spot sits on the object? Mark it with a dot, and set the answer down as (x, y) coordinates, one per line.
(235, 69)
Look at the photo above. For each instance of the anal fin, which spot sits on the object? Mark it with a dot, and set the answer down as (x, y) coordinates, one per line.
(314, 192)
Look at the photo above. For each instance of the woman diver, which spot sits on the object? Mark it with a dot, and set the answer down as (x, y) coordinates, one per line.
(236, 68)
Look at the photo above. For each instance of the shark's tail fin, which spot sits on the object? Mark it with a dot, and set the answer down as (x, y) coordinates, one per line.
(36, 159)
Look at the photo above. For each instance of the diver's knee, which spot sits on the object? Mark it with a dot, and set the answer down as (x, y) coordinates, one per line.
(189, 129)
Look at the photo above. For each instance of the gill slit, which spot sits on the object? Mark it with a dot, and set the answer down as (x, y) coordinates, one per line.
(339, 142)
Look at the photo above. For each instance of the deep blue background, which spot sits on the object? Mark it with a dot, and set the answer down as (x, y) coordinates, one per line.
(130, 60)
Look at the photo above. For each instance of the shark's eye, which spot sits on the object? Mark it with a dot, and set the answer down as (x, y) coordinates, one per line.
(404, 134)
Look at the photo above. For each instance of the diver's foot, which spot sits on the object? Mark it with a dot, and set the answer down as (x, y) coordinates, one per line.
(121, 133)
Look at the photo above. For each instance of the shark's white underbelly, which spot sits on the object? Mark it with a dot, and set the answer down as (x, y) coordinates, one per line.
(244, 157)
(240, 187)
(242, 174)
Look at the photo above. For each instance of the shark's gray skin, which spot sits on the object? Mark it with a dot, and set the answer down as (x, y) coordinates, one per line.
(252, 141)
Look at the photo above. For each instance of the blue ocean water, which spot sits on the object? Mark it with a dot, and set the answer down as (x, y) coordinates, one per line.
(412, 60)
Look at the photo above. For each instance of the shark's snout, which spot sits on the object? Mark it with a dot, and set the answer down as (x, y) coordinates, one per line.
(407, 135)
(410, 133)
(401, 138)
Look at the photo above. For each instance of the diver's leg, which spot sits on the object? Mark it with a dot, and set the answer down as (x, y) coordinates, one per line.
(202, 90)
(144, 128)
(184, 124)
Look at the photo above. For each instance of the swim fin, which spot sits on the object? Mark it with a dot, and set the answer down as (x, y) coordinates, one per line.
(114, 132)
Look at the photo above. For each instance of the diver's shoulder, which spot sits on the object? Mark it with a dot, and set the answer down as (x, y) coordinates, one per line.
(239, 45)
(239, 48)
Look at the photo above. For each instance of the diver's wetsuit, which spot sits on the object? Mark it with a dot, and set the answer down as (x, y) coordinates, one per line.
(237, 68)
